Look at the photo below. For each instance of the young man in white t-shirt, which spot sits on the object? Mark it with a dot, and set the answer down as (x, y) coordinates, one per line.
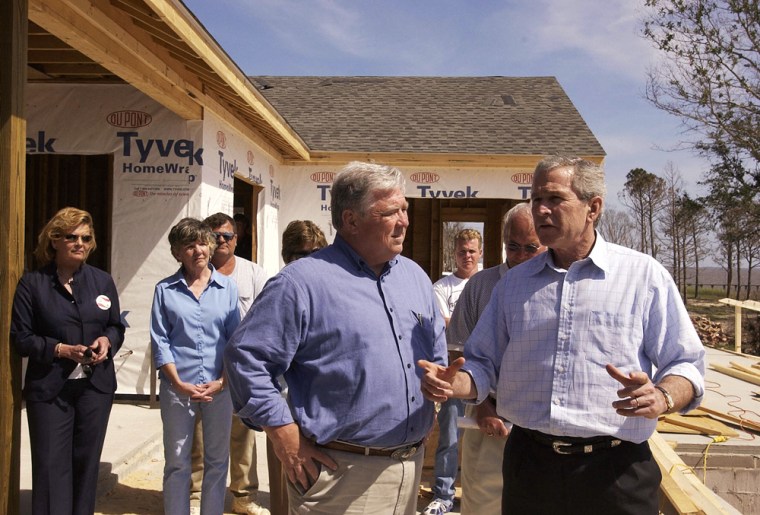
(468, 249)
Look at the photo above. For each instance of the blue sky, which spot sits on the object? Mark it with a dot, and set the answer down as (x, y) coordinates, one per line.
(593, 48)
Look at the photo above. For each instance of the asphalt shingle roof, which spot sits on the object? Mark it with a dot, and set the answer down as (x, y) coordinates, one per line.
(470, 115)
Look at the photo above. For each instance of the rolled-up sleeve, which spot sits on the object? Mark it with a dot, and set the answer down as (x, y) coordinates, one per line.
(261, 349)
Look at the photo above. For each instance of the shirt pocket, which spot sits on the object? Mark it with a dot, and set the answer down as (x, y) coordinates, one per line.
(616, 337)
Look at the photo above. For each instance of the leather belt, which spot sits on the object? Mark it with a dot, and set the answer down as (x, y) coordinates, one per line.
(397, 453)
(571, 444)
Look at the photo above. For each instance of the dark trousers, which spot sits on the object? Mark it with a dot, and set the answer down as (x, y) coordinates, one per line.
(66, 436)
(620, 480)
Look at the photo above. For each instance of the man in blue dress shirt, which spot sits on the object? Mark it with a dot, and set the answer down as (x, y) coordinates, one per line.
(345, 326)
(585, 346)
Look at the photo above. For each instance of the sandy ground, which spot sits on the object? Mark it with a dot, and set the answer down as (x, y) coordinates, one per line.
(139, 493)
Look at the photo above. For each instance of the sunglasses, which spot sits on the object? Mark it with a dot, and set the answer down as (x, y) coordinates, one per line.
(530, 249)
(72, 238)
(226, 235)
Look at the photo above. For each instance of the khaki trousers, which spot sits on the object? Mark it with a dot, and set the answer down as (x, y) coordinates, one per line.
(362, 485)
(482, 481)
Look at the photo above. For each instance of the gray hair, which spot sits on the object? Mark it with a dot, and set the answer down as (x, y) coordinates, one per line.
(354, 185)
(521, 209)
(588, 177)
(190, 230)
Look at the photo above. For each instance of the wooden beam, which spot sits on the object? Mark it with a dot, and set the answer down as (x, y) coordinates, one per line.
(750, 378)
(741, 422)
(685, 484)
(188, 28)
(13, 49)
(747, 370)
(702, 424)
(99, 36)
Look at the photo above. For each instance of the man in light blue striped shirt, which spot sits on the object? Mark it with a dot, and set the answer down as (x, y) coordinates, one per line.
(586, 346)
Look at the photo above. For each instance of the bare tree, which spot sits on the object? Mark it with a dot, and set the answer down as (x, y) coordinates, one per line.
(617, 227)
(710, 74)
(450, 230)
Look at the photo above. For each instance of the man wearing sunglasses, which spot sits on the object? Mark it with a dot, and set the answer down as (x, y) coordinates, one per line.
(483, 448)
(249, 278)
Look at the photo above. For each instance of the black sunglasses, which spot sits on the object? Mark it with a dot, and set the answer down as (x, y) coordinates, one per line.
(72, 238)
(226, 235)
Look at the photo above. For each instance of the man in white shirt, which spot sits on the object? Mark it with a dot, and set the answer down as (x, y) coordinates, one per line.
(468, 249)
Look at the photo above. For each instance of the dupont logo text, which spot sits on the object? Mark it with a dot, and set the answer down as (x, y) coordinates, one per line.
(424, 177)
(221, 139)
(522, 178)
(322, 177)
(129, 119)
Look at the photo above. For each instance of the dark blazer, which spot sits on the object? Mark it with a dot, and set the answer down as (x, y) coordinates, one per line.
(45, 313)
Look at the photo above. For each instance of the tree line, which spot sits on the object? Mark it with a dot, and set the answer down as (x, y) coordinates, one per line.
(709, 77)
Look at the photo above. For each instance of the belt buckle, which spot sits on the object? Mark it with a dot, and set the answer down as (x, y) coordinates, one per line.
(557, 446)
(404, 453)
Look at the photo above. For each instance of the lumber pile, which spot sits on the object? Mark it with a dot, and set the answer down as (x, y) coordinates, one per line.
(711, 333)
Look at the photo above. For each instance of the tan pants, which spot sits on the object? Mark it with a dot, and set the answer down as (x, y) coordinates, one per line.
(362, 485)
(482, 481)
(278, 492)
(244, 479)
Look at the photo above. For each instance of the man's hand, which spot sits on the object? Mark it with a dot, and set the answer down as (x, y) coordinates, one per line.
(438, 381)
(298, 455)
(488, 421)
(640, 397)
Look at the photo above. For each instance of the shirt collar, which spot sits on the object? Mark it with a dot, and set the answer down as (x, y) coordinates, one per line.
(356, 259)
(179, 277)
(599, 257)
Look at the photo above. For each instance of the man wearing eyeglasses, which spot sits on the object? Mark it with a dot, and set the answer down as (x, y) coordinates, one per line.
(586, 346)
(250, 279)
(483, 448)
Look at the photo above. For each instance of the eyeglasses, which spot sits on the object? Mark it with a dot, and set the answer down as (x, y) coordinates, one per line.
(530, 249)
(72, 238)
(226, 235)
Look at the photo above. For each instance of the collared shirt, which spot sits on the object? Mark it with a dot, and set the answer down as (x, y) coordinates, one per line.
(347, 343)
(547, 334)
(471, 304)
(192, 332)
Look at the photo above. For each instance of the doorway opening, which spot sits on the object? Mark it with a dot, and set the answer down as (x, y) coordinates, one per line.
(426, 240)
(246, 207)
(55, 181)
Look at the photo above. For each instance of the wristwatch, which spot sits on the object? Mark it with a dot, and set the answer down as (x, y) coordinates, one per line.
(668, 398)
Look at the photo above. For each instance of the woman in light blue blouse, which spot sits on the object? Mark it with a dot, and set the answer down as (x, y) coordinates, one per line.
(194, 313)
